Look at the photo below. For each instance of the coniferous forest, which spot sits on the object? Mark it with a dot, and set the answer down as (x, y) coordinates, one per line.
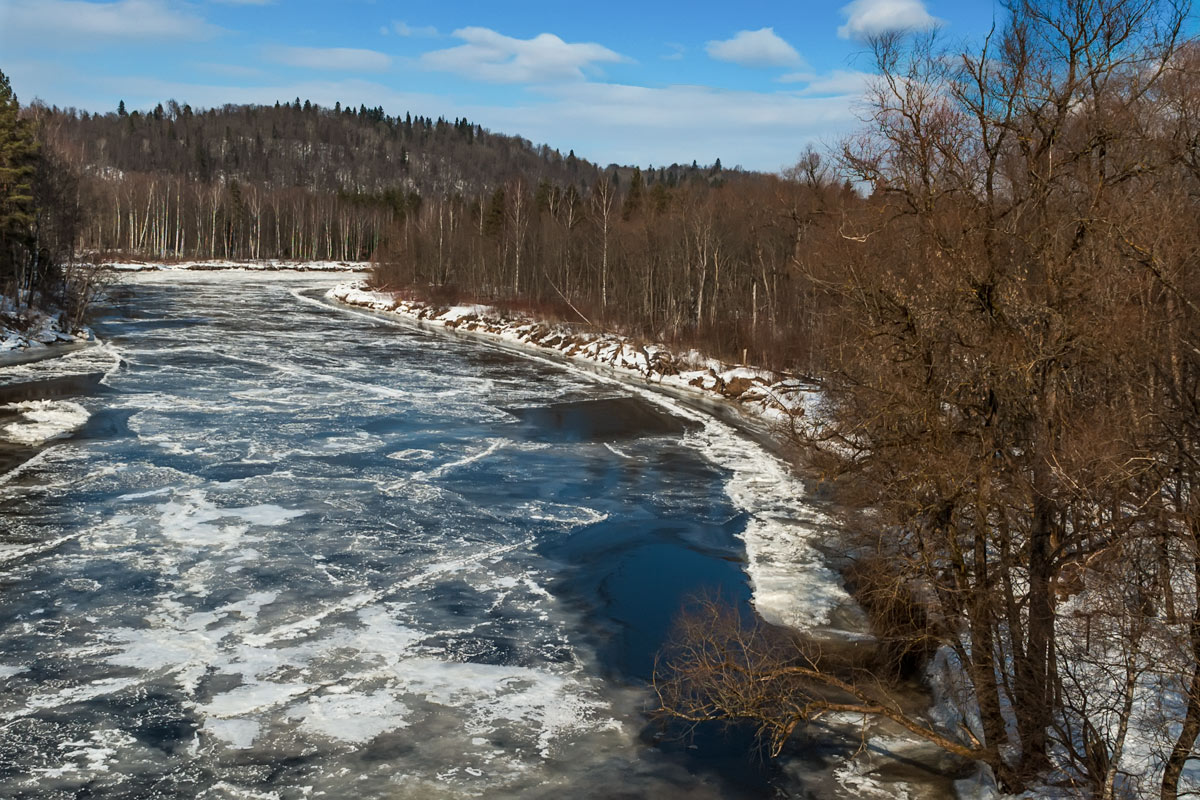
(995, 283)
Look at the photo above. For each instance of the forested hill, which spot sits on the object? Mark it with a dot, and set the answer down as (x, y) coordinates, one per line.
(353, 151)
(295, 180)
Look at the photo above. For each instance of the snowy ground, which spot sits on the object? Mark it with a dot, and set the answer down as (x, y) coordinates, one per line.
(1133, 699)
(23, 329)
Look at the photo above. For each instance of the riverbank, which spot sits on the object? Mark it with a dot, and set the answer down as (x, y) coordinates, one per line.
(38, 405)
(33, 412)
(767, 401)
(29, 334)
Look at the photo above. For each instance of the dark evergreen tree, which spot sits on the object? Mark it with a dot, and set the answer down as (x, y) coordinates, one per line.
(18, 163)
(493, 221)
(543, 195)
(633, 200)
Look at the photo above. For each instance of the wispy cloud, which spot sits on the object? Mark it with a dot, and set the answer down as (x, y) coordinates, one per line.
(228, 70)
(660, 125)
(76, 22)
(839, 82)
(761, 48)
(343, 59)
(490, 56)
(866, 18)
(677, 51)
(404, 29)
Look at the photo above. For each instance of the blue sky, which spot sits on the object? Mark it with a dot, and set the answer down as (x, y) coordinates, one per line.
(749, 82)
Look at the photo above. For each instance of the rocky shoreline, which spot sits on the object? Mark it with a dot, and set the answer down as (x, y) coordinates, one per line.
(28, 334)
(770, 404)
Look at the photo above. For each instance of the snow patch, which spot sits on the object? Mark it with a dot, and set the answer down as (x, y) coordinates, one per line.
(236, 733)
(23, 328)
(90, 756)
(192, 520)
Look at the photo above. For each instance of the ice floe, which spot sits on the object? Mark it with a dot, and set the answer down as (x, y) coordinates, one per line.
(39, 421)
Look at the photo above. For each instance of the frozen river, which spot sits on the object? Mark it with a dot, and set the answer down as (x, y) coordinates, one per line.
(298, 552)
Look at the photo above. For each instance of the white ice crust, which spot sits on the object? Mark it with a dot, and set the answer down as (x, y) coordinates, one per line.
(40, 421)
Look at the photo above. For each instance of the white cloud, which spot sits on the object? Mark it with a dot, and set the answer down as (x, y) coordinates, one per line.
(866, 18)
(641, 125)
(493, 57)
(404, 29)
(76, 22)
(331, 58)
(840, 82)
(761, 48)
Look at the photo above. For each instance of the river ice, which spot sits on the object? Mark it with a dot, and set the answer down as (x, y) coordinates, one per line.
(294, 552)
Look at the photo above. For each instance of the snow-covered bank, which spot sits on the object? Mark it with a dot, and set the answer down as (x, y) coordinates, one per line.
(266, 265)
(792, 584)
(769, 397)
(24, 329)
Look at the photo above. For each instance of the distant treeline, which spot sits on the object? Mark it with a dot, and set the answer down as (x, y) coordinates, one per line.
(291, 181)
